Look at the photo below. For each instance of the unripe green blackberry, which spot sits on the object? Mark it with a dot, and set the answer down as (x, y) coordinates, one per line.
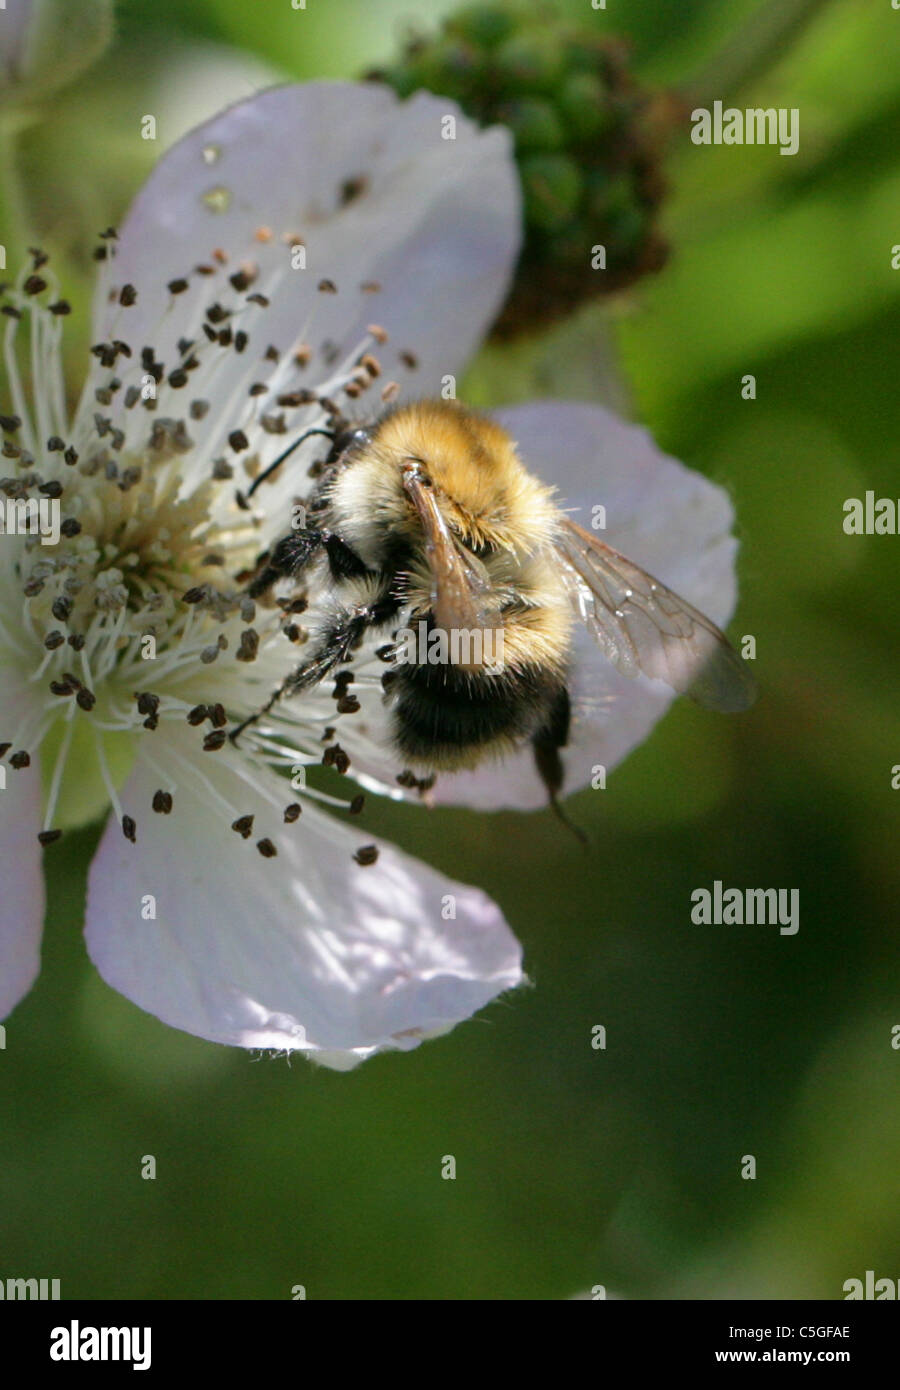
(484, 25)
(553, 190)
(588, 143)
(534, 123)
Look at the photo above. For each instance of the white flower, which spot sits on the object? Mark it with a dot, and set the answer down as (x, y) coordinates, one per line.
(237, 304)
(270, 935)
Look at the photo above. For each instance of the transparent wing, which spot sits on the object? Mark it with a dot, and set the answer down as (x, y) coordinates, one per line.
(644, 627)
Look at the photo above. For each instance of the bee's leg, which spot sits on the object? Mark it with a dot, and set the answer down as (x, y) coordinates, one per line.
(335, 647)
(235, 733)
(341, 637)
(294, 552)
(290, 556)
(549, 739)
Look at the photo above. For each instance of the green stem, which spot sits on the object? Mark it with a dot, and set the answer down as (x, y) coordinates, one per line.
(758, 44)
(14, 234)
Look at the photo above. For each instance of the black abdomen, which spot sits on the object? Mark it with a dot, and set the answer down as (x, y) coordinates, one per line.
(443, 716)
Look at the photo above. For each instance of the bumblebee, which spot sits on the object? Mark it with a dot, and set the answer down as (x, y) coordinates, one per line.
(428, 517)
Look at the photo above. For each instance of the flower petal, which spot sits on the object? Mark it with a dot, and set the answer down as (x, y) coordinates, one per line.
(306, 951)
(376, 195)
(13, 27)
(22, 899)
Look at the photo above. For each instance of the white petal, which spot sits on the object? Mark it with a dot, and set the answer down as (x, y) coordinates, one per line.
(198, 80)
(308, 950)
(14, 21)
(436, 224)
(22, 897)
(670, 520)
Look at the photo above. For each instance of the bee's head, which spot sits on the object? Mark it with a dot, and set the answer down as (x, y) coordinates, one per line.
(467, 466)
(467, 462)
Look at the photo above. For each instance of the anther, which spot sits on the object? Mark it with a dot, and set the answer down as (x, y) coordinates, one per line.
(336, 757)
(249, 645)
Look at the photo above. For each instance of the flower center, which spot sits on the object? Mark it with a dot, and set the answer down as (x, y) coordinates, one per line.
(128, 545)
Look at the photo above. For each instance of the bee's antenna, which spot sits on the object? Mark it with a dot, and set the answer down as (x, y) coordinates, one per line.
(267, 472)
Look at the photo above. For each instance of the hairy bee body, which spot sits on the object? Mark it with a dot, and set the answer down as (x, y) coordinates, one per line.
(428, 517)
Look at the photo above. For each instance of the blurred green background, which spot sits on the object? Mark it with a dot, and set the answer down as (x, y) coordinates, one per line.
(575, 1167)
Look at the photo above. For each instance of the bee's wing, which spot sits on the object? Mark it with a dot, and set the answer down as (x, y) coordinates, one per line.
(460, 584)
(644, 627)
